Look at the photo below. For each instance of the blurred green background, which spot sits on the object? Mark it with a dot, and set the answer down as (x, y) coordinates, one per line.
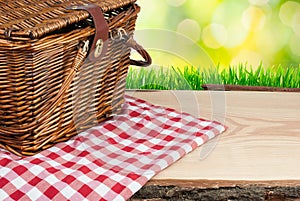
(231, 32)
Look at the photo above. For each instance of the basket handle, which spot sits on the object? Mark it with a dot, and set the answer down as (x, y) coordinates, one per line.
(134, 45)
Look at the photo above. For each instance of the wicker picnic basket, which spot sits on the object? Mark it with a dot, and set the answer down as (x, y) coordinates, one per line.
(63, 65)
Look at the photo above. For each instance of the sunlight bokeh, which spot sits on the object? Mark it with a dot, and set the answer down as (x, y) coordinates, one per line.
(229, 31)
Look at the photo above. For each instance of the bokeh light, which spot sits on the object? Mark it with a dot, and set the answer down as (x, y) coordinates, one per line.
(296, 23)
(229, 14)
(214, 36)
(259, 2)
(230, 31)
(288, 11)
(176, 3)
(253, 18)
(190, 28)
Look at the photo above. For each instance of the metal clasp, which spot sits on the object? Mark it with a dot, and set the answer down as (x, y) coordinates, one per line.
(86, 46)
(98, 48)
(122, 33)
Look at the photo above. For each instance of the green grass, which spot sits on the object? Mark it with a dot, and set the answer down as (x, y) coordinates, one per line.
(274, 76)
(192, 78)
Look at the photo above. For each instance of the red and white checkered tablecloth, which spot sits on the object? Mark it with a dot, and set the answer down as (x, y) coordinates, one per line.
(108, 162)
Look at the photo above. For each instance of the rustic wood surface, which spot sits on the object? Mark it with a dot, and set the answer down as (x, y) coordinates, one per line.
(257, 158)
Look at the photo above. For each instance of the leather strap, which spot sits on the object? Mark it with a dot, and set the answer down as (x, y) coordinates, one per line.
(99, 46)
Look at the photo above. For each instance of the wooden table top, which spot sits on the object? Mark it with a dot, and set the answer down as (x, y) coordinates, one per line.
(260, 146)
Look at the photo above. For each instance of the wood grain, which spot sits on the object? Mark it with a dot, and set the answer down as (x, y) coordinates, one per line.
(260, 147)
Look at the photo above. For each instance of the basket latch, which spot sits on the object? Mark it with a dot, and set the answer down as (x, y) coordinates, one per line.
(99, 46)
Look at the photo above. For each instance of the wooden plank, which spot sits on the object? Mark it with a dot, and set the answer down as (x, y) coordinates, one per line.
(260, 148)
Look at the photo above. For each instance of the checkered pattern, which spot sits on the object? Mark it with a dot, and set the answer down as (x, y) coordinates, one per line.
(108, 162)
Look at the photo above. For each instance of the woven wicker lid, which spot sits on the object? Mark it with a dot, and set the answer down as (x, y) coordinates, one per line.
(31, 19)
